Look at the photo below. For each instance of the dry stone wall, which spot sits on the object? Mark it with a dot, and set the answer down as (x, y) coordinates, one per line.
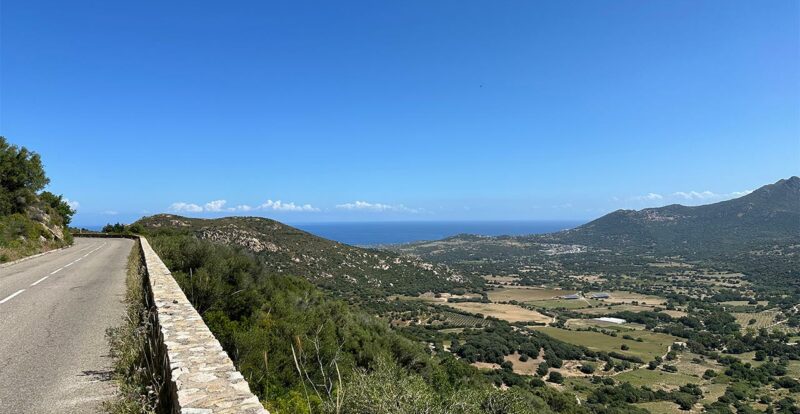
(202, 379)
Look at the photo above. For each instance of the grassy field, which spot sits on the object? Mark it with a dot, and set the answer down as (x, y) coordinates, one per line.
(523, 294)
(654, 344)
(585, 323)
(564, 303)
(660, 407)
(510, 313)
(629, 297)
(604, 310)
(657, 378)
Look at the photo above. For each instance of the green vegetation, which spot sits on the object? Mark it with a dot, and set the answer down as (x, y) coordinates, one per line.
(135, 372)
(31, 220)
(445, 326)
(303, 351)
(361, 275)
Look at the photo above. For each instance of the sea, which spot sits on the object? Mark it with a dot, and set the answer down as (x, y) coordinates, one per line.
(396, 232)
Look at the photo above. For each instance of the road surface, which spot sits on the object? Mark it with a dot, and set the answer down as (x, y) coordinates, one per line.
(54, 310)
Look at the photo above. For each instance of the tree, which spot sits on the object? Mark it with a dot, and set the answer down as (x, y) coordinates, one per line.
(57, 203)
(21, 177)
(542, 369)
(555, 377)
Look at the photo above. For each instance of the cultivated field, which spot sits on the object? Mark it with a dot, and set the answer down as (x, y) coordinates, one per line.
(652, 345)
(525, 294)
(510, 313)
(629, 297)
(763, 319)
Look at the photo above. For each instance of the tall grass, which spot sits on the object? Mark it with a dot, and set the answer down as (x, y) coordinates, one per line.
(136, 371)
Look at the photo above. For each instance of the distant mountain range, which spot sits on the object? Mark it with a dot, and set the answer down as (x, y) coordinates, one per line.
(767, 217)
(285, 249)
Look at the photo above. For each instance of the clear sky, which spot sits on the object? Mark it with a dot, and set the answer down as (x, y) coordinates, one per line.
(401, 110)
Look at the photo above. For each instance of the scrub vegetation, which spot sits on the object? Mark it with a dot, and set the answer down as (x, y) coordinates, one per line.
(31, 220)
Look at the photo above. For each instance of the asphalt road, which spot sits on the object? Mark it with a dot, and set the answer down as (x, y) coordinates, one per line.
(54, 310)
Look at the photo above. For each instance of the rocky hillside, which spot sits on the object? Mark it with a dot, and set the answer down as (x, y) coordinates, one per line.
(337, 266)
(31, 220)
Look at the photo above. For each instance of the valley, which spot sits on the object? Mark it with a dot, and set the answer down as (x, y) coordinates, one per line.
(636, 329)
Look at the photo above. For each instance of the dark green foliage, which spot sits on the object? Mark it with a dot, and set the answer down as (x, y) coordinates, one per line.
(119, 228)
(555, 377)
(63, 210)
(21, 177)
(30, 221)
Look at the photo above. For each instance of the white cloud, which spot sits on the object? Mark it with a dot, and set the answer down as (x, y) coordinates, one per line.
(281, 206)
(110, 213)
(215, 206)
(709, 195)
(72, 203)
(185, 207)
(649, 197)
(375, 207)
(695, 195)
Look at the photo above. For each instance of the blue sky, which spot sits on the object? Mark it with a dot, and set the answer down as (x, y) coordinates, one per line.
(412, 110)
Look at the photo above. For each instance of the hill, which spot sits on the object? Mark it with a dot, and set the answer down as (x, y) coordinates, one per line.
(31, 220)
(765, 218)
(333, 265)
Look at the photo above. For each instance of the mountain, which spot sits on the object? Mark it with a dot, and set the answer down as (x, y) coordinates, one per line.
(766, 217)
(285, 249)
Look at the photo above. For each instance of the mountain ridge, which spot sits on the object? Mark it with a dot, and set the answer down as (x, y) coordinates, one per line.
(286, 249)
(768, 215)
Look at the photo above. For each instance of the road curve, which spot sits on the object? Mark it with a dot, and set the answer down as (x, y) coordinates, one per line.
(54, 310)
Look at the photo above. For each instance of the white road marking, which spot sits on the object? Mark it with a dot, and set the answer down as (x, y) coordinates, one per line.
(57, 270)
(69, 264)
(12, 295)
(37, 282)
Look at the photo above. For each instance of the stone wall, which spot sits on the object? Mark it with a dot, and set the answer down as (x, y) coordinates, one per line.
(201, 377)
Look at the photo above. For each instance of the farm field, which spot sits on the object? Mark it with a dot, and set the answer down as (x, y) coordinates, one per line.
(605, 310)
(501, 279)
(657, 377)
(585, 323)
(629, 297)
(457, 319)
(564, 303)
(763, 319)
(654, 344)
(510, 313)
(524, 294)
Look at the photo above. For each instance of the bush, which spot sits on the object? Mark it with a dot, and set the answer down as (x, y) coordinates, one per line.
(555, 377)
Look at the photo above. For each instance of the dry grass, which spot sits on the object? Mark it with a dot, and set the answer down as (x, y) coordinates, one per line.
(526, 294)
(136, 373)
(524, 368)
(599, 311)
(630, 297)
(510, 313)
